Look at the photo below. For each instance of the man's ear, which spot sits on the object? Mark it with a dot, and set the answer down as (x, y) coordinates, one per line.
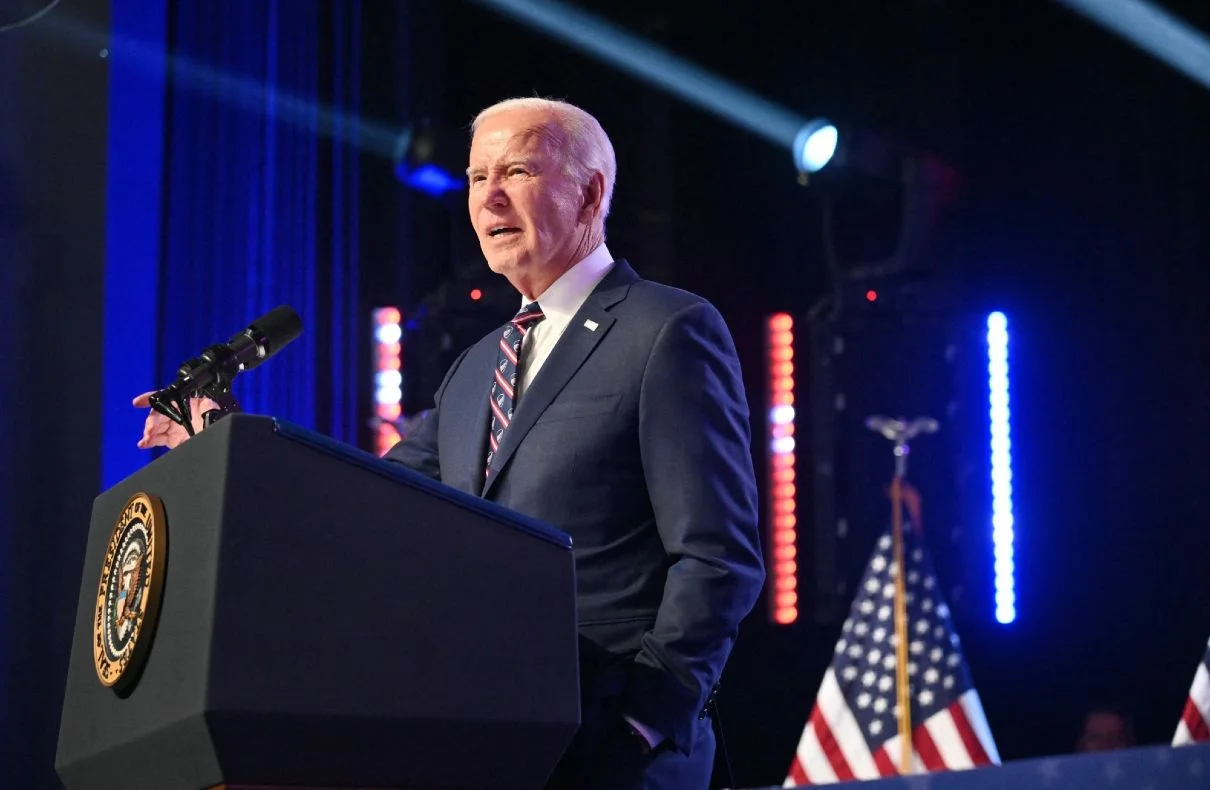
(594, 193)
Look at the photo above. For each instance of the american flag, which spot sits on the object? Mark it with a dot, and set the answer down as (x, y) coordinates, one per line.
(1194, 725)
(853, 731)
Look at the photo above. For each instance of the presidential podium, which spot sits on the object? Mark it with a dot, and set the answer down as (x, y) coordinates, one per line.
(265, 607)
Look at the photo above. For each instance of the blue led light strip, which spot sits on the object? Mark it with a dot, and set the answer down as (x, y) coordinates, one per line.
(1001, 467)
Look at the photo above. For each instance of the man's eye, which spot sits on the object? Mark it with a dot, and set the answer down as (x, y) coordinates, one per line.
(477, 177)
(516, 171)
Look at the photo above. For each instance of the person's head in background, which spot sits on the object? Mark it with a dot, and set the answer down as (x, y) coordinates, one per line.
(1106, 728)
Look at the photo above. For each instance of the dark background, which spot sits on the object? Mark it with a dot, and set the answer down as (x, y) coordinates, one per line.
(1085, 217)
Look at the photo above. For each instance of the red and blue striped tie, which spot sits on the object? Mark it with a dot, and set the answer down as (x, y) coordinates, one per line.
(504, 387)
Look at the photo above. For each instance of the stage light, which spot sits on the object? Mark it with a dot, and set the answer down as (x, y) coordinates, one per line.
(1153, 30)
(871, 296)
(429, 179)
(388, 333)
(779, 341)
(428, 159)
(999, 415)
(811, 142)
(388, 377)
(476, 294)
(814, 145)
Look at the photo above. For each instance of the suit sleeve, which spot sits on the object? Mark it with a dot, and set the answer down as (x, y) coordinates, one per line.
(419, 450)
(695, 440)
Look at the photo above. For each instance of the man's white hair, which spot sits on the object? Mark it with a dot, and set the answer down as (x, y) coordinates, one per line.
(586, 147)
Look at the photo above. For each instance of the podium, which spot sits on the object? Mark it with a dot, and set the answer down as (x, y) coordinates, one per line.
(322, 619)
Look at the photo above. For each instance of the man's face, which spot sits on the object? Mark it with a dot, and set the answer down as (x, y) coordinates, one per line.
(531, 219)
(1104, 731)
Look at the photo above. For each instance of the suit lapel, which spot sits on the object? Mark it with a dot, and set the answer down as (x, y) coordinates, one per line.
(470, 444)
(569, 354)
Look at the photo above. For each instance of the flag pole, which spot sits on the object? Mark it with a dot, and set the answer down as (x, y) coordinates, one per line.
(902, 681)
(899, 432)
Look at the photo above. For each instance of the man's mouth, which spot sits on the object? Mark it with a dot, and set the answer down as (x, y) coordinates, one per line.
(497, 231)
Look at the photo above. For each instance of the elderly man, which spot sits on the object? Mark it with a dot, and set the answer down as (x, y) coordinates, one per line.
(612, 408)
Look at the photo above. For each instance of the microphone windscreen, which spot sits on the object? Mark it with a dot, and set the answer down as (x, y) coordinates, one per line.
(274, 330)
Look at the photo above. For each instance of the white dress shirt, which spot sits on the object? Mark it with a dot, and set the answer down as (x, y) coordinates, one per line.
(560, 302)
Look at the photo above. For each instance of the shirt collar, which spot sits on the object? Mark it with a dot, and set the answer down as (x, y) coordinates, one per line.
(566, 295)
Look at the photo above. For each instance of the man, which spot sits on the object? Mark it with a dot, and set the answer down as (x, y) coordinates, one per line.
(1106, 728)
(612, 408)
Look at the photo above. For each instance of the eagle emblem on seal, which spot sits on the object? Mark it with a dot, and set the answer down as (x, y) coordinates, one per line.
(128, 595)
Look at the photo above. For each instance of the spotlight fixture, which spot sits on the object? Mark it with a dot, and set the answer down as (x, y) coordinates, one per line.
(427, 159)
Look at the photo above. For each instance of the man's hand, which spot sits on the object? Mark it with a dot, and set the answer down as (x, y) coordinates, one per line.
(159, 431)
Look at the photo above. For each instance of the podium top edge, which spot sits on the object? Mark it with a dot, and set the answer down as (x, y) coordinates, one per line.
(402, 474)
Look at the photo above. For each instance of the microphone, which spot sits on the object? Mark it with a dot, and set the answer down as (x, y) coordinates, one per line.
(210, 374)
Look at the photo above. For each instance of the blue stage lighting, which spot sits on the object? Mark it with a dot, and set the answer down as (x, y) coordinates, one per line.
(1153, 30)
(642, 59)
(1001, 463)
(429, 179)
(814, 145)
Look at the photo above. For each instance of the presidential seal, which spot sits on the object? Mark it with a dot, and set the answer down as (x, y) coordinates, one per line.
(128, 597)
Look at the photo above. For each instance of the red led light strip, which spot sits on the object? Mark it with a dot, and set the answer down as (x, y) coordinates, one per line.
(783, 565)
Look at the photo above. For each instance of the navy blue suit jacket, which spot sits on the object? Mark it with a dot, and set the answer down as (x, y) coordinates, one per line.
(634, 438)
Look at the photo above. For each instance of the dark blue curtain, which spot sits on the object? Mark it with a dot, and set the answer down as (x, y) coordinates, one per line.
(261, 197)
(52, 238)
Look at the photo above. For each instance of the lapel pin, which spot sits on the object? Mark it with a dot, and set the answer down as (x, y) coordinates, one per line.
(592, 325)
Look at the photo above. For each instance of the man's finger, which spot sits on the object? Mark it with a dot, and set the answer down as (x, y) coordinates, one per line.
(143, 401)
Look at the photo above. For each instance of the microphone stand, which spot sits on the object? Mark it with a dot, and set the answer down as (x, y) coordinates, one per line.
(216, 368)
(174, 404)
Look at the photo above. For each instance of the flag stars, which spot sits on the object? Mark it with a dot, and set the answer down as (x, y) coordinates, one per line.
(866, 658)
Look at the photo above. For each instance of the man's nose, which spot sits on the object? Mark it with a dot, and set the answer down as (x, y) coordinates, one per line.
(496, 194)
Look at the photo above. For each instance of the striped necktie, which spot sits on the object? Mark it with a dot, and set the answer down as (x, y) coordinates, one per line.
(504, 386)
